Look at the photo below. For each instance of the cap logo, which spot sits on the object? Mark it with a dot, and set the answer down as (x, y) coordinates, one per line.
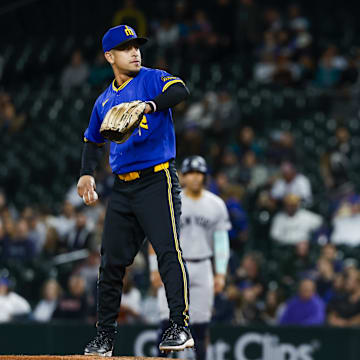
(128, 32)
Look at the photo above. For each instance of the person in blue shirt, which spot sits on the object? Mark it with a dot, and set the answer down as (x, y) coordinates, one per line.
(306, 308)
(145, 201)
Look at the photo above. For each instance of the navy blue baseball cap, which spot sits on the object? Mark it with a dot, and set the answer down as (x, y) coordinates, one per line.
(119, 35)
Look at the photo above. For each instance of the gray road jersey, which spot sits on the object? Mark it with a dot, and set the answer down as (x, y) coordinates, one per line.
(199, 220)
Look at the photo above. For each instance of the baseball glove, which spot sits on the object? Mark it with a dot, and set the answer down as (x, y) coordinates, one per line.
(121, 120)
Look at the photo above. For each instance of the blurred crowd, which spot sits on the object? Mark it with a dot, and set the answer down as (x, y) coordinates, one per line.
(292, 261)
(278, 41)
(302, 269)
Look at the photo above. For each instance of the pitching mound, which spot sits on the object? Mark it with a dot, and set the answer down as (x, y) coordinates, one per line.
(72, 357)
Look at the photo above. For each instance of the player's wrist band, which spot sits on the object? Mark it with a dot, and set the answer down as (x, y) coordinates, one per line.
(152, 105)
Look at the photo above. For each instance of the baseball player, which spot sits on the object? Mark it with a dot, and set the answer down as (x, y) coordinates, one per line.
(145, 199)
(204, 236)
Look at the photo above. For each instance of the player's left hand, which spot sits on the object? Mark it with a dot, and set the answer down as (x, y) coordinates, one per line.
(147, 109)
(219, 283)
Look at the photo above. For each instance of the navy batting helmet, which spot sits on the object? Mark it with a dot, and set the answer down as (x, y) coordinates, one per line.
(194, 163)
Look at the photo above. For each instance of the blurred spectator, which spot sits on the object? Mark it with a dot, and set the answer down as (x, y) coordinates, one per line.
(335, 162)
(201, 43)
(12, 305)
(249, 273)
(245, 304)
(224, 307)
(89, 270)
(201, 28)
(282, 148)
(10, 120)
(346, 229)
(80, 236)
(306, 69)
(227, 113)
(343, 205)
(20, 247)
(329, 68)
(182, 18)
(330, 253)
(272, 19)
(306, 308)
(295, 16)
(75, 73)
(65, 221)
(274, 307)
(295, 264)
(131, 15)
(247, 288)
(300, 25)
(293, 224)
(231, 167)
(286, 72)
(268, 48)
(100, 72)
(167, 34)
(73, 304)
(264, 70)
(252, 175)
(202, 113)
(291, 182)
(238, 234)
(130, 301)
(50, 293)
(344, 309)
(302, 39)
(37, 228)
(52, 244)
(246, 141)
(325, 276)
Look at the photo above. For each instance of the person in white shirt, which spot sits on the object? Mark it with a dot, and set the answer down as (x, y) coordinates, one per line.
(294, 224)
(346, 227)
(11, 304)
(46, 306)
(291, 182)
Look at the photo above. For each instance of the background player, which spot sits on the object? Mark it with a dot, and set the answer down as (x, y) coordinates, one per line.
(145, 198)
(204, 235)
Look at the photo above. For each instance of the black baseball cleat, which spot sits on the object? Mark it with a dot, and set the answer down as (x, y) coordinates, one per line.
(101, 345)
(176, 338)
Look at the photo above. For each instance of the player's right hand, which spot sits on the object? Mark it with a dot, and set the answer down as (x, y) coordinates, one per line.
(155, 279)
(86, 189)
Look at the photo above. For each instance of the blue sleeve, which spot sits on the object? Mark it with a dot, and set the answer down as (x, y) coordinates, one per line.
(158, 81)
(92, 132)
(318, 315)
